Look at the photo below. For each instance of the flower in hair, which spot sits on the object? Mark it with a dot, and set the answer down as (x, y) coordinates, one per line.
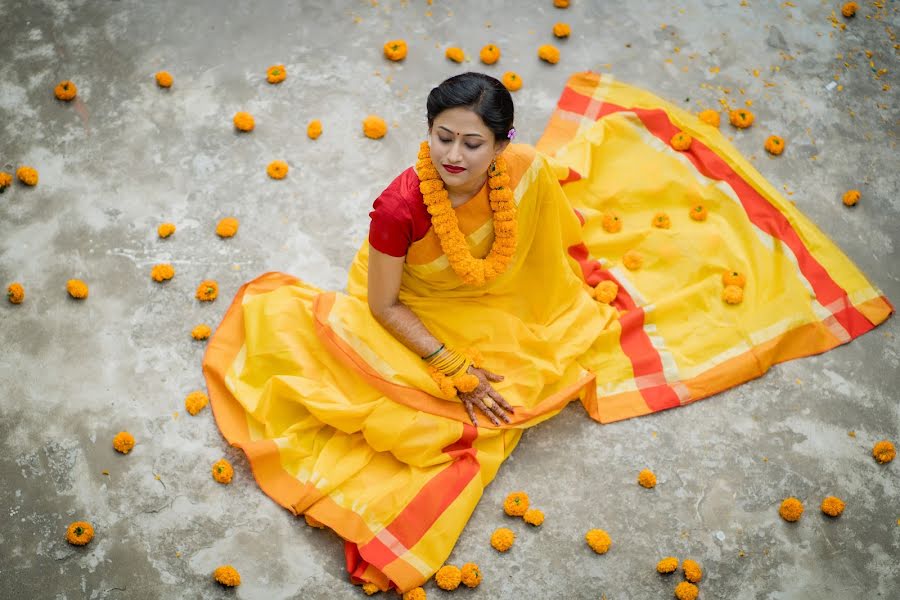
(512, 133)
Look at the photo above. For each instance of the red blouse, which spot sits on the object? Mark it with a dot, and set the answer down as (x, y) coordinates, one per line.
(399, 216)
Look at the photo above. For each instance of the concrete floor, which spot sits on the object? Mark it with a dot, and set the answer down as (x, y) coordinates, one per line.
(127, 156)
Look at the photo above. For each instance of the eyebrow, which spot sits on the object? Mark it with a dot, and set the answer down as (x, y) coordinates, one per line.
(464, 135)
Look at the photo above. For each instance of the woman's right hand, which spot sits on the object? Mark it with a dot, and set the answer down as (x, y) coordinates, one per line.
(486, 398)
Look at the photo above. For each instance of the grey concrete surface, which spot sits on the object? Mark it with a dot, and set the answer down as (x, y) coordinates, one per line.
(128, 155)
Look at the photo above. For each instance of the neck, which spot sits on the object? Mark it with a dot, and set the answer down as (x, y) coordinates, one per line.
(461, 193)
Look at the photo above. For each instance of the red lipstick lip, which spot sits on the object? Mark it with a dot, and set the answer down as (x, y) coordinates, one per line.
(453, 169)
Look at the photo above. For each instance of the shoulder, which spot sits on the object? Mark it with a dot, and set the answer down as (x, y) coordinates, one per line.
(402, 197)
(520, 158)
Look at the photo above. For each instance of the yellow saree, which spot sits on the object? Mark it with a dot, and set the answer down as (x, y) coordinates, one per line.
(342, 423)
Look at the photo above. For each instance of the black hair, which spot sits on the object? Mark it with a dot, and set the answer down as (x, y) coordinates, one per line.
(484, 95)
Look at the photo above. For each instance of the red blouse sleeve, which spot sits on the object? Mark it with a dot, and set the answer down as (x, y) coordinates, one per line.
(391, 228)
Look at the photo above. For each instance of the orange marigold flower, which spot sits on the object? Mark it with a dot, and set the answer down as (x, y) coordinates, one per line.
(277, 169)
(851, 197)
(884, 451)
(207, 290)
(698, 212)
(686, 591)
(65, 90)
(502, 539)
(606, 291)
(489, 54)
(314, 129)
(227, 576)
(165, 230)
(27, 175)
(79, 533)
(244, 121)
(791, 509)
(512, 81)
(374, 127)
(734, 278)
(598, 540)
(15, 293)
(549, 53)
(661, 221)
(533, 517)
(732, 294)
(516, 504)
(448, 577)
(123, 442)
(710, 117)
(741, 118)
(370, 588)
(611, 222)
(681, 141)
(455, 54)
(774, 145)
(395, 50)
(201, 332)
(195, 402)
(222, 471)
(164, 79)
(832, 506)
(77, 289)
(667, 565)
(162, 272)
(632, 260)
(692, 570)
(849, 9)
(562, 30)
(227, 227)
(647, 479)
(561, 3)
(312, 522)
(276, 74)
(471, 575)
(5, 181)
(415, 594)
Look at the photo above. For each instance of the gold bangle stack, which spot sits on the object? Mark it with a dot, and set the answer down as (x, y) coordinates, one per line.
(450, 362)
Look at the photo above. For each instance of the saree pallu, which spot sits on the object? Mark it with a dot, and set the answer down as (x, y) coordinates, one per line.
(343, 423)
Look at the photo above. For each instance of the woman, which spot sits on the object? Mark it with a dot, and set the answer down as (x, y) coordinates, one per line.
(504, 282)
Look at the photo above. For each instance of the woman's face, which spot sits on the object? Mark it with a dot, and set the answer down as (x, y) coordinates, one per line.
(462, 147)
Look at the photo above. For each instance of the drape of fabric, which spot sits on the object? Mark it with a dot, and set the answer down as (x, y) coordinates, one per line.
(343, 423)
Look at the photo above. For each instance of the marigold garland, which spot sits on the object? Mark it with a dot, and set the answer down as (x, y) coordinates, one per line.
(455, 54)
(227, 227)
(633, 260)
(667, 565)
(692, 570)
(741, 118)
(370, 588)
(27, 175)
(448, 577)
(611, 222)
(195, 402)
(5, 181)
(884, 451)
(374, 127)
(489, 54)
(165, 230)
(123, 442)
(276, 74)
(502, 539)
(832, 506)
(791, 509)
(79, 533)
(207, 291)
(227, 576)
(277, 169)
(164, 79)
(65, 90)
(533, 517)
(516, 504)
(562, 30)
(244, 121)
(647, 479)
(395, 50)
(512, 81)
(77, 289)
(598, 540)
(710, 117)
(473, 271)
(686, 591)
(222, 471)
(201, 332)
(15, 293)
(661, 221)
(314, 129)
(415, 594)
(162, 272)
(606, 291)
(681, 141)
(851, 197)
(698, 212)
(471, 575)
(849, 9)
(549, 53)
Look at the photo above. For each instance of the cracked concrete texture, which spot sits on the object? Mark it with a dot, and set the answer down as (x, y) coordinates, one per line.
(127, 155)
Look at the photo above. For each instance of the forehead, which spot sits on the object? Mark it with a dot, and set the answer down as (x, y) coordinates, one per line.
(463, 121)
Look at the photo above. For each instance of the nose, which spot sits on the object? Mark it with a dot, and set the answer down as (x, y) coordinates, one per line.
(454, 155)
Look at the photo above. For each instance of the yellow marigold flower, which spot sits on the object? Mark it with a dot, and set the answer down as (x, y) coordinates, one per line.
(516, 504)
(851, 197)
(489, 54)
(448, 577)
(512, 81)
(164, 79)
(849, 9)
(732, 294)
(471, 575)
(314, 129)
(27, 175)
(395, 50)
(741, 118)
(686, 591)
(734, 278)
(165, 230)
(162, 272)
(370, 588)
(123, 442)
(884, 451)
(647, 479)
(710, 117)
(227, 227)
(276, 74)
(791, 509)
(15, 293)
(201, 332)
(277, 169)
(195, 402)
(698, 212)
(534, 517)
(207, 290)
(222, 471)
(667, 565)
(312, 522)
(606, 291)
(65, 90)
(561, 3)
(611, 222)
(832, 506)
(79, 533)
(598, 540)
(692, 570)
(244, 121)
(681, 141)
(374, 127)
(455, 54)
(415, 594)
(502, 539)
(774, 145)
(632, 260)
(549, 53)
(661, 221)
(77, 288)
(227, 576)
(562, 30)
(5, 181)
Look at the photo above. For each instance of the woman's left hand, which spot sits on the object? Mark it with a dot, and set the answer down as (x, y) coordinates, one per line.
(486, 398)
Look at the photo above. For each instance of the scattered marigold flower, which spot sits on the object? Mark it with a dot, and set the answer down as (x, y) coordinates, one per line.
(774, 145)
(5, 181)
(647, 479)
(732, 294)
(734, 278)
(667, 565)
(395, 50)
(455, 54)
(162, 272)
(549, 53)
(277, 169)
(661, 221)
(222, 471)
(370, 588)
(533, 517)
(606, 291)
(65, 90)
(598, 540)
(791, 509)
(884, 451)
(415, 594)
(562, 30)
(849, 9)
(561, 3)
(314, 129)
(512, 81)
(227, 227)
(207, 290)
(27, 175)
(633, 260)
(471, 575)
(244, 121)
(164, 79)
(832, 506)
(201, 332)
(516, 504)
(489, 54)
(681, 141)
(698, 212)
(312, 522)
(686, 591)
(502, 539)
(374, 127)
(851, 197)
(79, 533)
(448, 577)
(611, 222)
(276, 74)
(692, 570)
(195, 402)
(165, 230)
(710, 117)
(15, 293)
(123, 442)
(227, 576)
(741, 118)
(77, 289)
